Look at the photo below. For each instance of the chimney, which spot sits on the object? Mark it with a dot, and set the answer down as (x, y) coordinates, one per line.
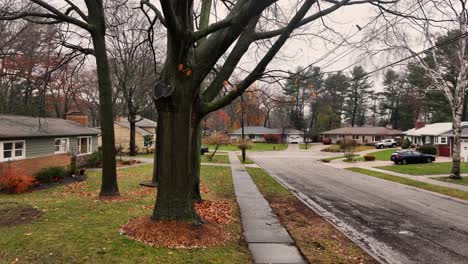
(78, 117)
(419, 124)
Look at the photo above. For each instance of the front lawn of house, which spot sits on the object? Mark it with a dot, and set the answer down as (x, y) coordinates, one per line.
(337, 148)
(383, 155)
(216, 159)
(256, 147)
(402, 180)
(247, 160)
(463, 181)
(425, 168)
(319, 241)
(75, 227)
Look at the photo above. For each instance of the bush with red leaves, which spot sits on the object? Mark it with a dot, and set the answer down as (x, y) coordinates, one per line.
(272, 138)
(15, 181)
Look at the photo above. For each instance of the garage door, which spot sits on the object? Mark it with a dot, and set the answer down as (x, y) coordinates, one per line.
(464, 150)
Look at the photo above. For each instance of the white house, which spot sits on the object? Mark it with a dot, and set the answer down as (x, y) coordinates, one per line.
(362, 135)
(257, 134)
(437, 134)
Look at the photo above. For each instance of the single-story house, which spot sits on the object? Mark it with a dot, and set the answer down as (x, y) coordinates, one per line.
(362, 135)
(144, 127)
(257, 134)
(437, 134)
(33, 143)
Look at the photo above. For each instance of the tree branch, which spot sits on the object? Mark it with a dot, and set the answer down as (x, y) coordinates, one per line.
(158, 13)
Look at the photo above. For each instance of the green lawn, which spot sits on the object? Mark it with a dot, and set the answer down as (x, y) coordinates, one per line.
(426, 186)
(247, 160)
(216, 158)
(79, 229)
(256, 147)
(463, 181)
(383, 155)
(337, 148)
(145, 156)
(339, 157)
(425, 168)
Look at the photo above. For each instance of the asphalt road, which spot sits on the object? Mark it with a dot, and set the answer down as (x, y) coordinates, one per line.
(400, 223)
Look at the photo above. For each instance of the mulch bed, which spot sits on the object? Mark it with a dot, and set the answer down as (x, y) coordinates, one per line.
(219, 212)
(12, 214)
(318, 240)
(174, 234)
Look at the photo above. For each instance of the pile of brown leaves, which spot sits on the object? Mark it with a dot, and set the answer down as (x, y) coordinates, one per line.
(219, 211)
(173, 234)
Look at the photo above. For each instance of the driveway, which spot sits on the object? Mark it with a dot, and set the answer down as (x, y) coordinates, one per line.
(399, 223)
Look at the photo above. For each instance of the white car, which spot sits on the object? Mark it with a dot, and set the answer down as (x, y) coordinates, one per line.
(386, 143)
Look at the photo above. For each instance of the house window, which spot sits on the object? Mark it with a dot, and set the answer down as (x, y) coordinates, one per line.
(84, 145)
(436, 140)
(356, 137)
(61, 145)
(443, 140)
(12, 150)
(340, 136)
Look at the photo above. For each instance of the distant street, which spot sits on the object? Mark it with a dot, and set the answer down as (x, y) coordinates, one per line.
(400, 223)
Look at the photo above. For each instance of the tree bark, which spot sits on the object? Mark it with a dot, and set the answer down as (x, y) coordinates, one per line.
(109, 185)
(196, 160)
(456, 148)
(132, 122)
(174, 167)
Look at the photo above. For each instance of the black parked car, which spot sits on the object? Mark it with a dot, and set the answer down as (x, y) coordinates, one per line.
(411, 156)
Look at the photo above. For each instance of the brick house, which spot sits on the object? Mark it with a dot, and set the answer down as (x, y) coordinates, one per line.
(363, 135)
(33, 143)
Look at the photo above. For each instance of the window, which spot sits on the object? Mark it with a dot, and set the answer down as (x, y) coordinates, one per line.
(356, 137)
(84, 145)
(61, 145)
(436, 140)
(340, 136)
(443, 140)
(12, 150)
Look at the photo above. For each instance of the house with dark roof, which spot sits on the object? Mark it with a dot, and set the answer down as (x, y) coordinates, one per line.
(362, 135)
(34, 143)
(257, 134)
(143, 127)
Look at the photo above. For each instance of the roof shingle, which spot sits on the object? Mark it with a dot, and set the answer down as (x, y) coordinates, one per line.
(16, 126)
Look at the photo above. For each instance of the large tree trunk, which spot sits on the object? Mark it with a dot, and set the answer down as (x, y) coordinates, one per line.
(109, 185)
(175, 174)
(132, 122)
(196, 160)
(456, 151)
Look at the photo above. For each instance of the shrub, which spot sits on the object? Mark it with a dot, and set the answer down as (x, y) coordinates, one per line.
(406, 144)
(272, 138)
(244, 144)
(15, 181)
(339, 142)
(369, 157)
(95, 159)
(126, 162)
(427, 149)
(348, 146)
(51, 174)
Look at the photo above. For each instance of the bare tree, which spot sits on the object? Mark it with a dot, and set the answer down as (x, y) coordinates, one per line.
(442, 26)
(133, 63)
(89, 25)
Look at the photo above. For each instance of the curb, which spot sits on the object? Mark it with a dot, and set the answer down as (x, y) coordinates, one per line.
(366, 243)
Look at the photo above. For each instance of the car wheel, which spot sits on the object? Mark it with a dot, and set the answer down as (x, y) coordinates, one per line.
(393, 146)
(429, 160)
(381, 147)
(404, 162)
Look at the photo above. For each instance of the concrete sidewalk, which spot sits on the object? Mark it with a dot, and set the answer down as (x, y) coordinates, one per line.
(268, 240)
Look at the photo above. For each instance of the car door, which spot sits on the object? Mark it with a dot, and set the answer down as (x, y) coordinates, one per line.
(418, 157)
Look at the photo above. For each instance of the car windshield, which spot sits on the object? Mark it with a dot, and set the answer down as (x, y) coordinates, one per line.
(417, 153)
